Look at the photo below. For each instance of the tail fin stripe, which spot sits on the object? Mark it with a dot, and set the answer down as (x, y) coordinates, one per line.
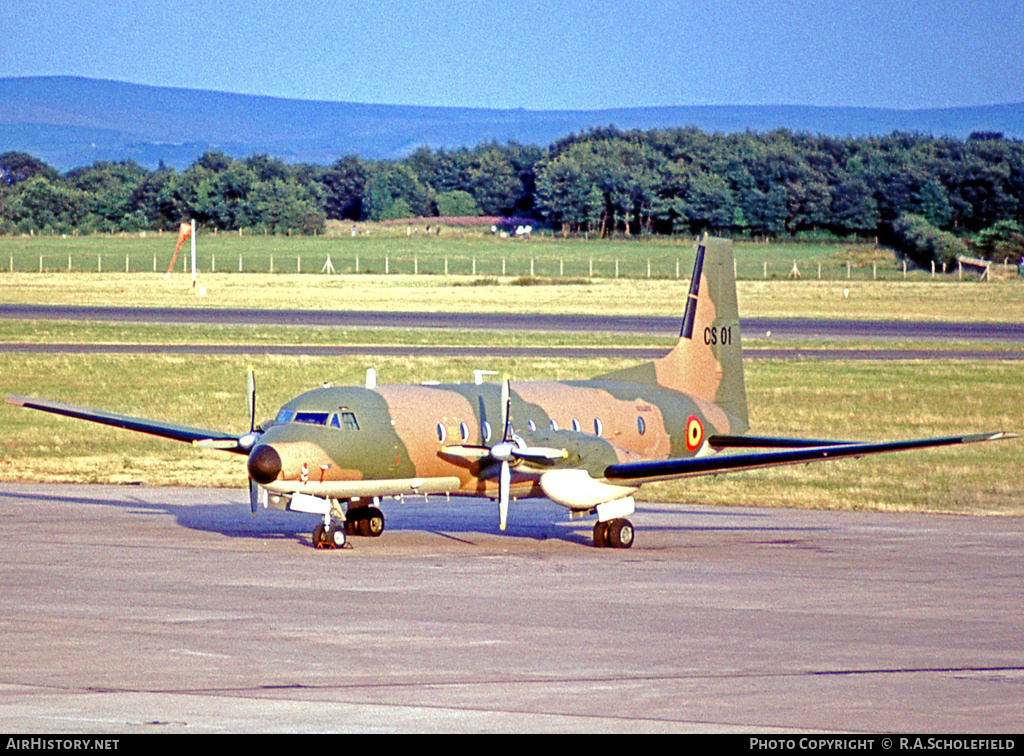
(690, 315)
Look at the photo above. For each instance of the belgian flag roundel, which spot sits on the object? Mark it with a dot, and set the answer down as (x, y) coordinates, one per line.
(694, 433)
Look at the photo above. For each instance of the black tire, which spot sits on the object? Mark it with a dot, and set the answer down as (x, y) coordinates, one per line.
(600, 534)
(374, 522)
(318, 536)
(620, 534)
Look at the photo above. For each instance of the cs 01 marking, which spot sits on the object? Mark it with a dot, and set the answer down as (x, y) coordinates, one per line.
(715, 335)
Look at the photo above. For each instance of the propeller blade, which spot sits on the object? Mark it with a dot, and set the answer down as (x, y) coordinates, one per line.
(540, 453)
(467, 452)
(216, 443)
(506, 410)
(254, 496)
(504, 482)
(251, 391)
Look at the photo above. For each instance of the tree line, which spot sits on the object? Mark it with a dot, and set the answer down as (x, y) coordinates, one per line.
(933, 198)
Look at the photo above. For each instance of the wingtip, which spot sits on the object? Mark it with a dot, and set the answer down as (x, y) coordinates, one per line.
(996, 436)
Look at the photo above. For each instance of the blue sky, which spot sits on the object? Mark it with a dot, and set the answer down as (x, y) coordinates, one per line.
(537, 54)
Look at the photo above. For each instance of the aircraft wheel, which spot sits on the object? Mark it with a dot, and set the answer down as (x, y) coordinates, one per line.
(373, 524)
(337, 537)
(620, 534)
(320, 537)
(600, 534)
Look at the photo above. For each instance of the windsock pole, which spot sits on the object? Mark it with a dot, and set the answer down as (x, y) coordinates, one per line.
(184, 231)
(193, 235)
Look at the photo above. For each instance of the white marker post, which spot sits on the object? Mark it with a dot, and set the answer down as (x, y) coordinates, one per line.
(193, 253)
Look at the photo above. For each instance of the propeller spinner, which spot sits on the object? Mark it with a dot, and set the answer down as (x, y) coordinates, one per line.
(510, 450)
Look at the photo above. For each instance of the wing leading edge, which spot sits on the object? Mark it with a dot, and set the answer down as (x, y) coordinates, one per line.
(196, 436)
(818, 451)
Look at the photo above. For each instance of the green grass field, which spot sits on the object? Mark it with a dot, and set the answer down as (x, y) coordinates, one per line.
(846, 399)
(396, 250)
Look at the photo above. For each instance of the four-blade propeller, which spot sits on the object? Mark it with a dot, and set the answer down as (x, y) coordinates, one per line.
(509, 451)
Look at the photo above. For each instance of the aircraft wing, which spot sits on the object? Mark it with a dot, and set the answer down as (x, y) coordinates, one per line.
(197, 436)
(667, 469)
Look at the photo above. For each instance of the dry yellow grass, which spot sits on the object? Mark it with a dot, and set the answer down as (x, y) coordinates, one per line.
(856, 400)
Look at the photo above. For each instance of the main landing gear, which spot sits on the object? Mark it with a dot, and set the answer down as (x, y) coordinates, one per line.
(362, 521)
(613, 534)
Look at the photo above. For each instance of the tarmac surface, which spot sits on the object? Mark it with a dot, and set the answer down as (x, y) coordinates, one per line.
(781, 328)
(131, 609)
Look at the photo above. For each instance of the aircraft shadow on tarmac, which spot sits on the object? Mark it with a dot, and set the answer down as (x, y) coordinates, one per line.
(455, 518)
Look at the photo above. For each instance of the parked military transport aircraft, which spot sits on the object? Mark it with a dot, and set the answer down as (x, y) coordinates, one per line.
(587, 445)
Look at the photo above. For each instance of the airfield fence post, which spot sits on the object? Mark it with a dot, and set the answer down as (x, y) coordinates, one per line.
(125, 264)
(271, 263)
(69, 263)
(561, 267)
(415, 265)
(766, 269)
(154, 262)
(591, 273)
(387, 264)
(531, 267)
(99, 263)
(847, 269)
(239, 262)
(474, 265)
(213, 263)
(648, 267)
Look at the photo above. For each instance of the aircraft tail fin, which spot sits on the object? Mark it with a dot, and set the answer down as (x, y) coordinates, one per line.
(707, 362)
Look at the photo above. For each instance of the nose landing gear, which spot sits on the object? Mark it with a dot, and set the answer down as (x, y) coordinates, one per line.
(329, 536)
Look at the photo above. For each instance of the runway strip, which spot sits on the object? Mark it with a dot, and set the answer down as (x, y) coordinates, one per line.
(156, 610)
(462, 321)
(639, 353)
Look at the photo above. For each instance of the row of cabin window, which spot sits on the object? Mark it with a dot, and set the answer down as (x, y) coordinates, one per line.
(346, 420)
(442, 432)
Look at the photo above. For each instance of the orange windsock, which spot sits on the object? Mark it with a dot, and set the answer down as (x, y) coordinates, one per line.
(184, 231)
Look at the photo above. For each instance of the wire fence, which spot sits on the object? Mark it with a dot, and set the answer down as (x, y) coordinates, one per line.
(512, 259)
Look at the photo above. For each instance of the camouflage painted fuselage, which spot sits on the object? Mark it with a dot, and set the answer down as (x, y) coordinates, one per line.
(350, 442)
(401, 432)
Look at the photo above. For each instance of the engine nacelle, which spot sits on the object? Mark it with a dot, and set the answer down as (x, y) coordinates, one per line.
(575, 489)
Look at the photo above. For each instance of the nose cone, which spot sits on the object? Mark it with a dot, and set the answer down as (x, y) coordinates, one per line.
(264, 464)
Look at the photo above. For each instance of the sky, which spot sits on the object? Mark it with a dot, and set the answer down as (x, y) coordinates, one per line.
(537, 54)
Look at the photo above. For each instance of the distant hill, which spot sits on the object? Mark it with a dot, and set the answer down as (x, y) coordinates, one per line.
(71, 122)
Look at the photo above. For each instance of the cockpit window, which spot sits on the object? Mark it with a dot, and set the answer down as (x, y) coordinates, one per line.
(284, 416)
(346, 420)
(312, 418)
